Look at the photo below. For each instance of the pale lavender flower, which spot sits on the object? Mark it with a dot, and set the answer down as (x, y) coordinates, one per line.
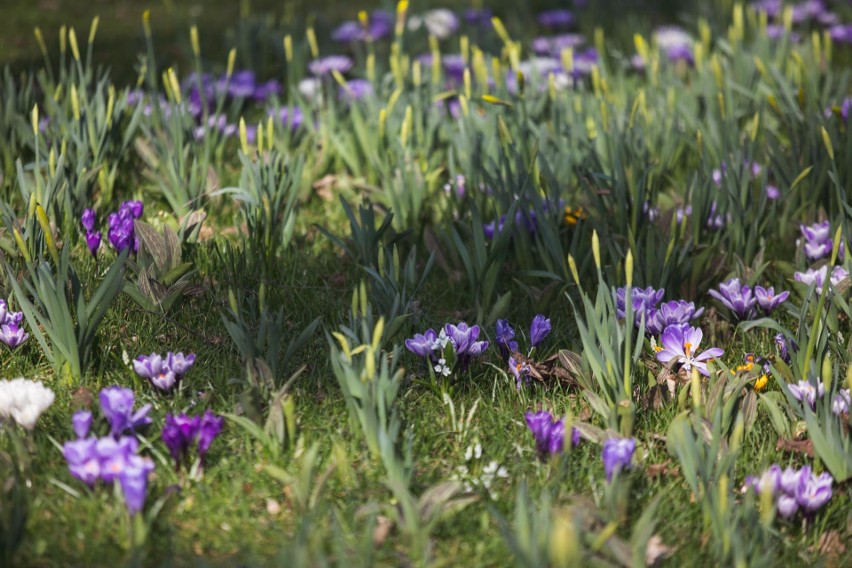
(818, 242)
(804, 391)
(518, 370)
(617, 454)
(814, 491)
(82, 423)
(12, 335)
(164, 373)
(680, 345)
(465, 344)
(817, 277)
(737, 297)
(767, 299)
(423, 345)
(841, 402)
(325, 65)
(117, 407)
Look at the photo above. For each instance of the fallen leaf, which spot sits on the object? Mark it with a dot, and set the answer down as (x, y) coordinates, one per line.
(796, 446)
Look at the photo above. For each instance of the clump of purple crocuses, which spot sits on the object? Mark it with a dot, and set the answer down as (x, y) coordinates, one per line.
(549, 433)
(431, 346)
(113, 457)
(121, 233)
(679, 344)
(818, 241)
(793, 490)
(617, 455)
(817, 277)
(181, 432)
(540, 328)
(646, 304)
(11, 331)
(164, 372)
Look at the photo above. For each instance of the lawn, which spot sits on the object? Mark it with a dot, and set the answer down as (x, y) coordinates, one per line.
(286, 284)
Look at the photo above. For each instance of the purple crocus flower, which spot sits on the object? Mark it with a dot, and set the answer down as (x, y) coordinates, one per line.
(549, 433)
(841, 33)
(325, 65)
(617, 454)
(121, 233)
(676, 312)
(115, 455)
(464, 343)
(164, 373)
(82, 422)
(356, 89)
(814, 492)
(117, 407)
(817, 277)
(8, 317)
(240, 85)
(781, 343)
(209, 428)
(772, 193)
(558, 18)
(818, 242)
(423, 345)
(478, 16)
(82, 460)
(804, 391)
(93, 242)
(289, 116)
(539, 329)
(643, 300)
(88, 219)
(264, 91)
(178, 434)
(680, 345)
(737, 297)
(518, 370)
(842, 401)
(12, 335)
(134, 484)
(505, 339)
(767, 299)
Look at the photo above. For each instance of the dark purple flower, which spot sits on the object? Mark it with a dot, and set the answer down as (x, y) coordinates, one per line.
(423, 345)
(767, 299)
(539, 329)
(179, 432)
(241, 84)
(121, 233)
(736, 297)
(617, 454)
(505, 339)
(549, 433)
(781, 343)
(209, 427)
(88, 220)
(82, 422)
(93, 242)
(558, 18)
(117, 407)
(266, 90)
(12, 335)
(680, 345)
(478, 16)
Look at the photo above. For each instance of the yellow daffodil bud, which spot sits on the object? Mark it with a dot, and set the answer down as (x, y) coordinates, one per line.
(826, 139)
(596, 249)
(288, 48)
(93, 29)
(194, 41)
(72, 41)
(311, 36)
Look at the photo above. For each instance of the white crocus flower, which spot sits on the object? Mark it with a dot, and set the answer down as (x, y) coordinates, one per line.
(24, 401)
